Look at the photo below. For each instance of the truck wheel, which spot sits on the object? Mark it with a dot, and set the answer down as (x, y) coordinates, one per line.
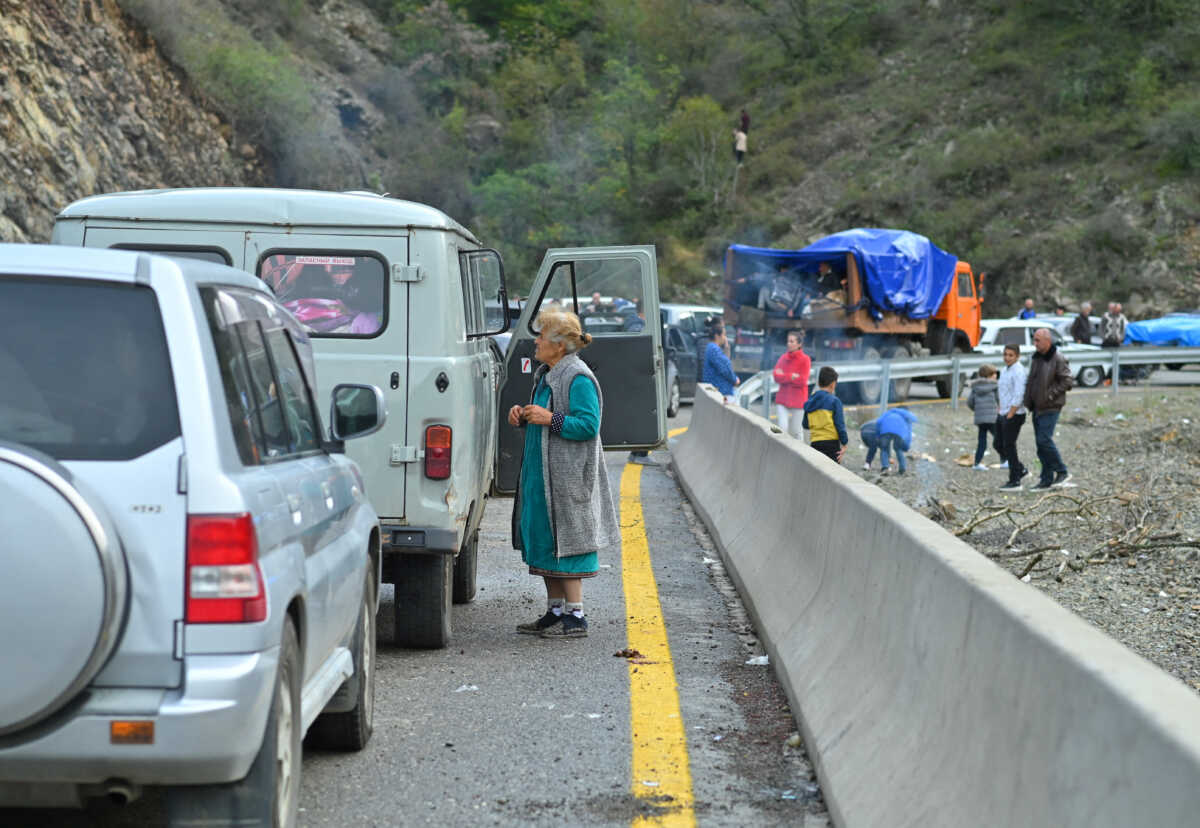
(673, 399)
(465, 567)
(423, 593)
(900, 387)
(270, 793)
(943, 384)
(1090, 376)
(868, 390)
(351, 729)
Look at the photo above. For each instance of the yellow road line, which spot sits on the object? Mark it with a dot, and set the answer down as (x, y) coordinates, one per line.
(661, 771)
(675, 432)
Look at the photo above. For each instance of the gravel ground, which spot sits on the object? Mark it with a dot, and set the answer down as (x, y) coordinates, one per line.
(1121, 548)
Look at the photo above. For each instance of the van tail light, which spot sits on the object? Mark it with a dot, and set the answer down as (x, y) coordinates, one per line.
(224, 581)
(438, 442)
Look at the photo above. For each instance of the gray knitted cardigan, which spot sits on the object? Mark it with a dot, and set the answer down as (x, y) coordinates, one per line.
(582, 515)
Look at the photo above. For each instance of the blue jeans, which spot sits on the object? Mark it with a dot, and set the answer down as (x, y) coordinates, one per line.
(871, 439)
(889, 443)
(981, 444)
(1043, 434)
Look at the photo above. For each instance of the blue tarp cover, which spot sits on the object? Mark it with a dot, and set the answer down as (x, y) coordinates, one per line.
(904, 272)
(1169, 330)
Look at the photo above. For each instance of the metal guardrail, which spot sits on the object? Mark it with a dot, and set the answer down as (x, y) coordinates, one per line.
(957, 367)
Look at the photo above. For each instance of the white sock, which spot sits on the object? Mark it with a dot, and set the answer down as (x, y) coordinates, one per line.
(575, 609)
(556, 605)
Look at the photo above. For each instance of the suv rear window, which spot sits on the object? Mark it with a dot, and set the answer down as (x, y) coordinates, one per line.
(84, 369)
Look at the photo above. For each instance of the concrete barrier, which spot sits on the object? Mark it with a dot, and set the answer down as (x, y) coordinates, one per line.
(932, 687)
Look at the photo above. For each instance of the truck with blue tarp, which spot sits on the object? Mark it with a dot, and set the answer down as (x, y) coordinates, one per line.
(862, 294)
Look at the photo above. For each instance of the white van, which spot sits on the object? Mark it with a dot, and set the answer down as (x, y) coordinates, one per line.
(394, 294)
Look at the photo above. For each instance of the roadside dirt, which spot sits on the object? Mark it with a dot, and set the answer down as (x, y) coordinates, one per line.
(1121, 548)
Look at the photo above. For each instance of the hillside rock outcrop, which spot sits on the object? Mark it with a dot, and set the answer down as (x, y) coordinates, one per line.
(89, 105)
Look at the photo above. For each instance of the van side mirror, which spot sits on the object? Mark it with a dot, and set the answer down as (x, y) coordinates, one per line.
(356, 411)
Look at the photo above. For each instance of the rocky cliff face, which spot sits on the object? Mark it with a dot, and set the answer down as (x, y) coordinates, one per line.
(89, 105)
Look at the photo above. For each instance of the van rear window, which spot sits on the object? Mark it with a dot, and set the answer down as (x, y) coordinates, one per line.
(84, 369)
(330, 293)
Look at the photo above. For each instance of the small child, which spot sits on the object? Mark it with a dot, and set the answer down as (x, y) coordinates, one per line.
(824, 419)
(984, 400)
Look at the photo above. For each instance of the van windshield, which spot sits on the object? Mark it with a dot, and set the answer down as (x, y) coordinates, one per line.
(330, 294)
(84, 369)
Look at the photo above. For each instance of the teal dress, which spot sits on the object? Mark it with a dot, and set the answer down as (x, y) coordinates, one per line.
(537, 536)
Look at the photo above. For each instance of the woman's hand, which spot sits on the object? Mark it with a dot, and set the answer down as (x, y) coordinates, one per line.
(536, 414)
(514, 416)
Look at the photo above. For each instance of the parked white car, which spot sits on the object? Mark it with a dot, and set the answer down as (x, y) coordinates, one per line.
(1090, 363)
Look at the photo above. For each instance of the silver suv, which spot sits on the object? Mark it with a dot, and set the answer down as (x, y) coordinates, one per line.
(190, 566)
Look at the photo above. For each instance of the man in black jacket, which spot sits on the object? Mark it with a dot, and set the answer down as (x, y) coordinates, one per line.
(1045, 394)
(1081, 328)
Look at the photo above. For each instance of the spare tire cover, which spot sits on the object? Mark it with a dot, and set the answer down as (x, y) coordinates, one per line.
(63, 587)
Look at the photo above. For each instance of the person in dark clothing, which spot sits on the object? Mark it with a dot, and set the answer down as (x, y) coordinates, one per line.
(1028, 311)
(745, 120)
(1081, 328)
(1045, 394)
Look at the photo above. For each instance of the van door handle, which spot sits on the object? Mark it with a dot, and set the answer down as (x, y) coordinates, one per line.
(395, 380)
(294, 503)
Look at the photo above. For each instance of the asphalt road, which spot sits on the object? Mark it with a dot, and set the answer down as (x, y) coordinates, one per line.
(506, 729)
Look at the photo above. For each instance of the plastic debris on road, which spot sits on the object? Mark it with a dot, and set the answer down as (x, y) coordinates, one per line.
(466, 688)
(758, 661)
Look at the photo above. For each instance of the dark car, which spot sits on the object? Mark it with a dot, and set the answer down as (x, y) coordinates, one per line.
(682, 350)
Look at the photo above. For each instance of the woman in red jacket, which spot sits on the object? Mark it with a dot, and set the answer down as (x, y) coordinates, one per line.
(791, 373)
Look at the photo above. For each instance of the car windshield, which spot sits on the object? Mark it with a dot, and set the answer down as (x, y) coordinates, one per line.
(84, 369)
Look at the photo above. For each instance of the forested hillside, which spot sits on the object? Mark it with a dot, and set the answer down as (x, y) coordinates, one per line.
(1053, 143)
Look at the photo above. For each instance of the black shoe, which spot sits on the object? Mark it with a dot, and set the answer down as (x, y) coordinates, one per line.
(570, 627)
(1042, 484)
(536, 627)
(1024, 473)
(1011, 486)
(1061, 479)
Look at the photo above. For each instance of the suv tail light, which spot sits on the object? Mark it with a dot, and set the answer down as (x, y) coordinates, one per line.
(224, 582)
(438, 442)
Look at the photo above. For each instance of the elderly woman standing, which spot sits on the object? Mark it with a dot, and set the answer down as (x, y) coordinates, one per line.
(563, 512)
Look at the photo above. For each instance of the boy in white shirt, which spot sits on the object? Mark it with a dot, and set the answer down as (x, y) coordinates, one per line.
(1012, 393)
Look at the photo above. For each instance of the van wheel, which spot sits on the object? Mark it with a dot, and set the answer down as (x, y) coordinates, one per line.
(1090, 376)
(673, 399)
(351, 729)
(465, 567)
(270, 793)
(423, 594)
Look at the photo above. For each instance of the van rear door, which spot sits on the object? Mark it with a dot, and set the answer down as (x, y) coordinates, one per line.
(614, 290)
(351, 294)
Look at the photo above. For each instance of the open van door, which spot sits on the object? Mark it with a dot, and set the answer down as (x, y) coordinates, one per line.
(614, 290)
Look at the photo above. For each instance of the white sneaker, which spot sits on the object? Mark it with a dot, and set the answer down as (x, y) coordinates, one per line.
(1004, 465)
(979, 467)
(866, 466)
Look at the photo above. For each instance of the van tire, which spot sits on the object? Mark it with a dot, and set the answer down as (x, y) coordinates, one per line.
(351, 729)
(423, 595)
(465, 567)
(263, 797)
